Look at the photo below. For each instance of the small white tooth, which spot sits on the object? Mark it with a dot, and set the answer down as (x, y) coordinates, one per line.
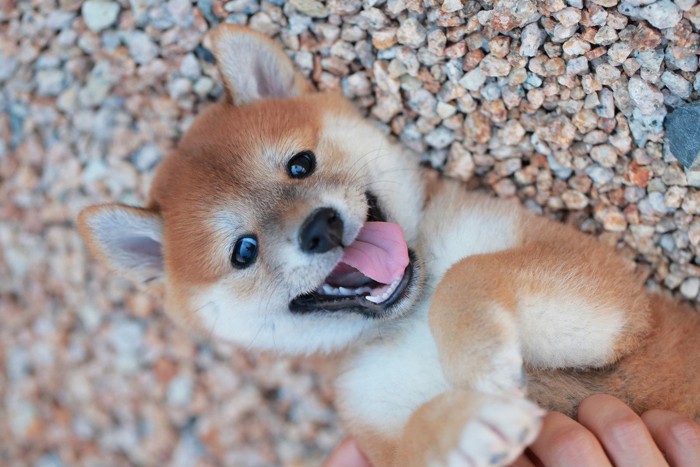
(344, 291)
(327, 289)
(374, 299)
(385, 295)
(363, 290)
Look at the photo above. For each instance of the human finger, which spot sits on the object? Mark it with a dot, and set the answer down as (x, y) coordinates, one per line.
(347, 454)
(522, 461)
(564, 442)
(622, 432)
(677, 436)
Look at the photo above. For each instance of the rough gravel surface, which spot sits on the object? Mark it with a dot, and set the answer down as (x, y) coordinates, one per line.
(560, 103)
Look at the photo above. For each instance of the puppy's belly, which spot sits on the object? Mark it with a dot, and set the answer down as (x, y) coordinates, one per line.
(385, 382)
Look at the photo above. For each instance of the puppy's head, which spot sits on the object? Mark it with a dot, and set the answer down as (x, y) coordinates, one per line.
(283, 220)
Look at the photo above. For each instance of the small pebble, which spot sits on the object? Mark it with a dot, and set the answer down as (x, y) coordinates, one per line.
(683, 133)
(661, 14)
(690, 288)
(100, 14)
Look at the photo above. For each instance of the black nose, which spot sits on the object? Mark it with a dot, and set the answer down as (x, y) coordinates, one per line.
(321, 231)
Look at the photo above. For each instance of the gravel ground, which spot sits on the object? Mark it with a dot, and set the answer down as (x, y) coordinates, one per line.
(560, 103)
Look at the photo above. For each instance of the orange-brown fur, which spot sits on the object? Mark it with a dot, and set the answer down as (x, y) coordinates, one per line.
(656, 362)
(662, 372)
(224, 136)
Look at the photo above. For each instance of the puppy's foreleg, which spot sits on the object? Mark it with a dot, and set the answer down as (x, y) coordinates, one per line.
(555, 306)
(463, 428)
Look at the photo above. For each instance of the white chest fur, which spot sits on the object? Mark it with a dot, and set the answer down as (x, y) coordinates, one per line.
(385, 381)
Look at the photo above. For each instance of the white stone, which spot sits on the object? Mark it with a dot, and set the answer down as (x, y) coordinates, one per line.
(645, 96)
(180, 391)
(411, 32)
(473, 79)
(141, 48)
(445, 110)
(662, 14)
(690, 288)
(50, 82)
(676, 84)
(568, 16)
(190, 68)
(531, 39)
(451, 6)
(100, 14)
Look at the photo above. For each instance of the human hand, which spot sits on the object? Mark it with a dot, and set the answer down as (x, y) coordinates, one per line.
(347, 454)
(607, 433)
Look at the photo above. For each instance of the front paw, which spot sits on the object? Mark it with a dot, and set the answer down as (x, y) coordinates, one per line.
(497, 433)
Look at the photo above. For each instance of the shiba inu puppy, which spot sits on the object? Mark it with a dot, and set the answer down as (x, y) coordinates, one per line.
(285, 221)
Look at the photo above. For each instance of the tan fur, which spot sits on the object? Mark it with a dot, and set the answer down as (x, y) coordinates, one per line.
(499, 287)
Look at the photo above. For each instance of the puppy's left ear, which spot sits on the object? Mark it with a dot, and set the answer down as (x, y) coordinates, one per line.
(126, 239)
(253, 66)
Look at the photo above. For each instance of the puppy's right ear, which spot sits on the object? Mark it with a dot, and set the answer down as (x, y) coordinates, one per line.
(128, 240)
(253, 66)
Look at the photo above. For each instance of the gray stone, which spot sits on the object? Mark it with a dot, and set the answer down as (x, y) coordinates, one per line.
(577, 66)
(683, 133)
(59, 19)
(440, 138)
(644, 125)
(204, 6)
(682, 58)
(181, 12)
(50, 82)
(8, 66)
(189, 67)
(299, 24)
(146, 157)
(650, 59)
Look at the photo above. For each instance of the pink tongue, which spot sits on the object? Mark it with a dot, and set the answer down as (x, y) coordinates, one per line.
(379, 252)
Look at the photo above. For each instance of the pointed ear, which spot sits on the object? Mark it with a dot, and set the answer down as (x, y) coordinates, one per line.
(128, 240)
(253, 66)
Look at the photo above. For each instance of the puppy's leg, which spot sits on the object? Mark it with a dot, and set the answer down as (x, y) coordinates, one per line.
(559, 302)
(462, 428)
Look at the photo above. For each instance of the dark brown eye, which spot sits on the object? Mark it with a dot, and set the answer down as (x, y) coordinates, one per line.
(244, 252)
(301, 165)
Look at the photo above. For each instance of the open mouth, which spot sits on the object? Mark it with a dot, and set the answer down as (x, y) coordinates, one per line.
(374, 273)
